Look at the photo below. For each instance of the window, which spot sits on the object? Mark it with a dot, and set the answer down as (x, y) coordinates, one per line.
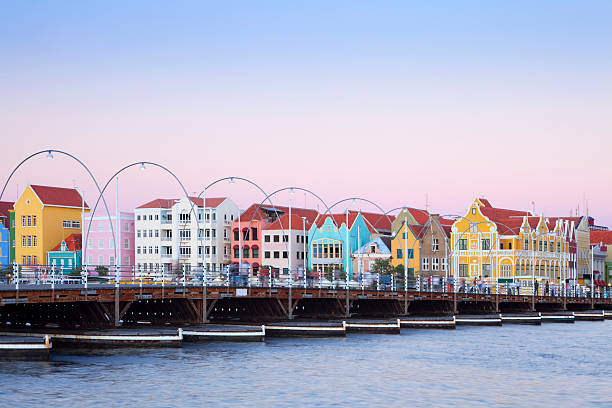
(473, 227)
(138, 217)
(267, 254)
(266, 238)
(76, 224)
(101, 226)
(236, 253)
(150, 250)
(254, 234)
(184, 217)
(23, 224)
(486, 244)
(463, 270)
(255, 252)
(444, 264)
(89, 259)
(89, 243)
(425, 263)
(462, 244)
(126, 227)
(473, 211)
(138, 250)
(29, 221)
(501, 245)
(410, 254)
(157, 250)
(66, 224)
(100, 244)
(285, 238)
(298, 240)
(150, 217)
(399, 254)
(111, 243)
(526, 247)
(23, 241)
(245, 253)
(33, 220)
(486, 270)
(558, 247)
(150, 233)
(185, 251)
(435, 245)
(23, 259)
(236, 237)
(509, 245)
(126, 260)
(545, 246)
(156, 233)
(34, 241)
(276, 238)
(539, 245)
(285, 255)
(137, 233)
(34, 260)
(111, 260)
(156, 217)
(29, 240)
(100, 260)
(435, 264)
(276, 254)
(185, 235)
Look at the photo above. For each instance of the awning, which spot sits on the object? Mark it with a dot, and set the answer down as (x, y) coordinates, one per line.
(236, 230)
(245, 246)
(245, 229)
(236, 247)
(255, 246)
(255, 265)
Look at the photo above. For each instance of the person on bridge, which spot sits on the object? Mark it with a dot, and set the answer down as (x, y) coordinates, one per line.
(546, 288)
(536, 286)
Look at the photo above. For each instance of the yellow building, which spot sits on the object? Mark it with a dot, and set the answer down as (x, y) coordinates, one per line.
(44, 216)
(509, 246)
(405, 246)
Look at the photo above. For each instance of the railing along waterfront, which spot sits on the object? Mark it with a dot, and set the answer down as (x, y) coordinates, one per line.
(184, 275)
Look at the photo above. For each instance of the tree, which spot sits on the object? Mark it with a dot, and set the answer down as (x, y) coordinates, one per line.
(382, 266)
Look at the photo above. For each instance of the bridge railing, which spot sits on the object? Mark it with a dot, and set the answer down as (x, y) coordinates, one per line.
(184, 275)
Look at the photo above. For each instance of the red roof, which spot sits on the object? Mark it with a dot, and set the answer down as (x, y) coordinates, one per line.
(296, 223)
(604, 237)
(58, 196)
(260, 212)
(5, 206)
(212, 202)
(73, 242)
(381, 221)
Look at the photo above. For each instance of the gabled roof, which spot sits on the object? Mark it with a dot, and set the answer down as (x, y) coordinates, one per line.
(339, 219)
(73, 242)
(5, 206)
(261, 212)
(383, 247)
(58, 196)
(166, 203)
(296, 223)
(604, 237)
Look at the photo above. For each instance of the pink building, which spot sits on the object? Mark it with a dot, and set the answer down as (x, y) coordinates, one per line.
(100, 249)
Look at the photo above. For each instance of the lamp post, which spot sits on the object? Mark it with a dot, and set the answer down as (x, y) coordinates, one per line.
(405, 263)
(305, 254)
(290, 306)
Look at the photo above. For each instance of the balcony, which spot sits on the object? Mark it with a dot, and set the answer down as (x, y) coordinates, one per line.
(184, 256)
(166, 239)
(165, 221)
(166, 256)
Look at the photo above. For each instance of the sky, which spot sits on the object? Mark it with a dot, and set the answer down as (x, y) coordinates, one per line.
(402, 103)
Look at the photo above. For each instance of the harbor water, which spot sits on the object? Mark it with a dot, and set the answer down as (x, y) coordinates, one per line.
(562, 365)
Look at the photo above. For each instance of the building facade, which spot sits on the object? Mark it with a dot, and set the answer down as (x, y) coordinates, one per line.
(508, 247)
(100, 249)
(6, 208)
(45, 216)
(66, 256)
(604, 238)
(366, 256)
(276, 239)
(169, 234)
(331, 235)
(248, 243)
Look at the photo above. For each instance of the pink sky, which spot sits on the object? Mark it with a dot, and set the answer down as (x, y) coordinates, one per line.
(518, 111)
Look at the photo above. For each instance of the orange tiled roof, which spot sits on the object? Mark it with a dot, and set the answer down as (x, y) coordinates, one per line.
(58, 196)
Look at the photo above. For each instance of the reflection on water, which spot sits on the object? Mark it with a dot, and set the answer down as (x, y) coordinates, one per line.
(555, 364)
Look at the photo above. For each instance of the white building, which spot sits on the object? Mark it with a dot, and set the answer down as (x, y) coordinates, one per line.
(168, 234)
(276, 238)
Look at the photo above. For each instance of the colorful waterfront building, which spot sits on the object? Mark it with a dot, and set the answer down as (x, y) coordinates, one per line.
(44, 216)
(603, 239)
(100, 249)
(512, 247)
(247, 248)
(5, 229)
(365, 257)
(426, 245)
(331, 235)
(276, 239)
(66, 256)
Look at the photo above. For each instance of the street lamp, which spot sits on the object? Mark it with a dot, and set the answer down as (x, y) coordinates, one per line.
(304, 256)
